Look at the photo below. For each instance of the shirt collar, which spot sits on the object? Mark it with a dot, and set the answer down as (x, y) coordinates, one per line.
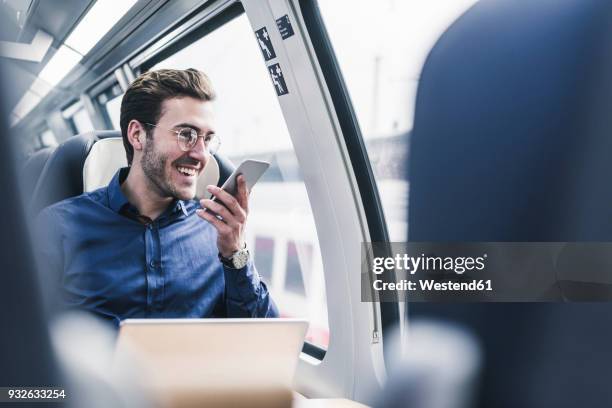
(117, 200)
(180, 205)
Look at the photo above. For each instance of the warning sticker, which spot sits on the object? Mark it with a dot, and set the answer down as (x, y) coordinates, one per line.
(284, 26)
(265, 44)
(278, 80)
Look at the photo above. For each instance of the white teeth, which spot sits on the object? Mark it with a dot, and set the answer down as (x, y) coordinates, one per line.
(185, 170)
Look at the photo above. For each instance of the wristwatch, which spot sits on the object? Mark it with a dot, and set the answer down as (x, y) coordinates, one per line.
(238, 260)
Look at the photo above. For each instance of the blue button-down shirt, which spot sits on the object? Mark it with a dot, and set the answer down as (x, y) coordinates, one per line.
(106, 258)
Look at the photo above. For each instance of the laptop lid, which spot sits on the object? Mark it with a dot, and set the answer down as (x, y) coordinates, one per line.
(214, 353)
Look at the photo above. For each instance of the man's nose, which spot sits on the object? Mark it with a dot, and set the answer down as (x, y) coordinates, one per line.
(199, 151)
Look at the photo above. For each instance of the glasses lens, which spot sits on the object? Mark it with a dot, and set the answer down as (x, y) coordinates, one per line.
(187, 138)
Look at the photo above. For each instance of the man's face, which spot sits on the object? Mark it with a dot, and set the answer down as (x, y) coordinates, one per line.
(162, 157)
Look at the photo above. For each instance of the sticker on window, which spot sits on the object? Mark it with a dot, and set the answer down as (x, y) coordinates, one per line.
(265, 44)
(278, 80)
(284, 26)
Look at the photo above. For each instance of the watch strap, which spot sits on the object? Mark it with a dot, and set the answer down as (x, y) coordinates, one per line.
(229, 262)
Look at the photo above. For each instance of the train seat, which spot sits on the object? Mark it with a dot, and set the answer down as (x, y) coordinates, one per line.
(31, 170)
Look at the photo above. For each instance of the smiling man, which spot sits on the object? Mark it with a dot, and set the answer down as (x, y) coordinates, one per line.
(142, 246)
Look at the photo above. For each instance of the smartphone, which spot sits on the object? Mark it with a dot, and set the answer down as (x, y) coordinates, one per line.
(252, 170)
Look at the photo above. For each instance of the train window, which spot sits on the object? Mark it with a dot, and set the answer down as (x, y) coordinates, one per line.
(77, 117)
(264, 257)
(47, 138)
(113, 109)
(82, 122)
(383, 85)
(251, 125)
(110, 101)
(295, 272)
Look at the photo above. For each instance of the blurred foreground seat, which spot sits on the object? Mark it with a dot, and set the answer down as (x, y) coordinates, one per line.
(512, 141)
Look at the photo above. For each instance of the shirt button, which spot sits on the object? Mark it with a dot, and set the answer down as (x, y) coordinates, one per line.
(154, 264)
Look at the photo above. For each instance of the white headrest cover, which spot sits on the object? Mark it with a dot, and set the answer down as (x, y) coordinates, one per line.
(108, 155)
(105, 158)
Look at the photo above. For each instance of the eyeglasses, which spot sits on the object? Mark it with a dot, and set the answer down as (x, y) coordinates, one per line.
(187, 138)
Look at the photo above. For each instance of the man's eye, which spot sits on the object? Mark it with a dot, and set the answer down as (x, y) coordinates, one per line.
(186, 133)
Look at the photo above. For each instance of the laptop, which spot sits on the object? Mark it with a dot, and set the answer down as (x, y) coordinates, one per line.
(213, 354)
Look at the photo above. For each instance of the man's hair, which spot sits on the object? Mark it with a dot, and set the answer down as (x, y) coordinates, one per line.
(143, 99)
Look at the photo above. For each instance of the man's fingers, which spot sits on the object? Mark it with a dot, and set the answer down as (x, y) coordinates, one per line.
(221, 227)
(229, 218)
(226, 198)
(243, 194)
(216, 208)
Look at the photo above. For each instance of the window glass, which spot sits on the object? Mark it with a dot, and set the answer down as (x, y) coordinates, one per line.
(113, 109)
(81, 121)
(264, 257)
(78, 118)
(250, 124)
(47, 138)
(295, 273)
(383, 85)
(110, 101)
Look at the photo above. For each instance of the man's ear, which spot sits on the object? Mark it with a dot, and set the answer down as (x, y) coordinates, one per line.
(136, 134)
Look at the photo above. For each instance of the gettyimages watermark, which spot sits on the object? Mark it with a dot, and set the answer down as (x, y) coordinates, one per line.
(486, 271)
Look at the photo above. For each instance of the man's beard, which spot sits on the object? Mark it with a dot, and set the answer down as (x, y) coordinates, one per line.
(154, 167)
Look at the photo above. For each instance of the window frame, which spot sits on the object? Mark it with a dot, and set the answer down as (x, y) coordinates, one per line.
(355, 144)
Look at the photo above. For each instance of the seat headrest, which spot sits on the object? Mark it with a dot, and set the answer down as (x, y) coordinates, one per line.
(104, 159)
(511, 138)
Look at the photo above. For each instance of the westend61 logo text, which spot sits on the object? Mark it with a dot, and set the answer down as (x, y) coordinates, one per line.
(412, 264)
(426, 263)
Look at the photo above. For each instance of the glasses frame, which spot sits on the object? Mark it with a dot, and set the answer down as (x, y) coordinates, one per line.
(211, 149)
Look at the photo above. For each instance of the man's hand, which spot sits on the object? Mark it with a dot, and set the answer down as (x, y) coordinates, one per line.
(233, 212)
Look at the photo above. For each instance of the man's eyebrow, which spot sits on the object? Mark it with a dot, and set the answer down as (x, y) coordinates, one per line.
(197, 129)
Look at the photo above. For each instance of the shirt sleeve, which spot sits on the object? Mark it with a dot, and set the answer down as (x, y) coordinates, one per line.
(246, 295)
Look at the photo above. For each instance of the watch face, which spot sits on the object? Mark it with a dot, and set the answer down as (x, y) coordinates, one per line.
(240, 259)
